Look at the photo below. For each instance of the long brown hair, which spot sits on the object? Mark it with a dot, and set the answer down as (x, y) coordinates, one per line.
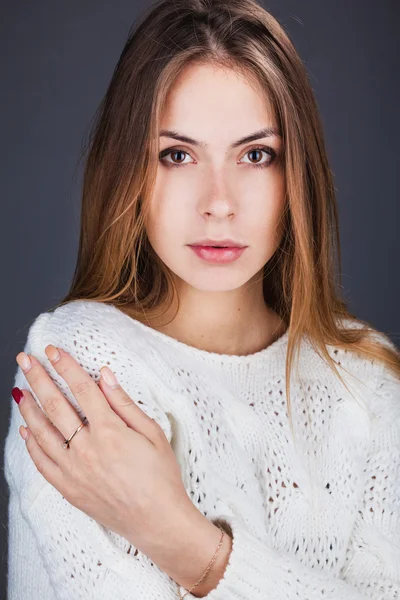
(116, 263)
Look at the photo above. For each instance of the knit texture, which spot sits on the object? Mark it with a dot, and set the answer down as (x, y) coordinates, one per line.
(315, 517)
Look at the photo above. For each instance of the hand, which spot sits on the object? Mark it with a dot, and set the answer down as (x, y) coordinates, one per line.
(119, 469)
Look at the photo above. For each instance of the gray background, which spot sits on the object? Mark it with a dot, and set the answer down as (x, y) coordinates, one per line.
(57, 60)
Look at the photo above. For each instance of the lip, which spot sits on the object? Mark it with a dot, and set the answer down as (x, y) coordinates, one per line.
(227, 243)
(219, 256)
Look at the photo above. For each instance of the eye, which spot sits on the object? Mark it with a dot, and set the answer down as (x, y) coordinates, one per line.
(266, 149)
(271, 154)
(167, 152)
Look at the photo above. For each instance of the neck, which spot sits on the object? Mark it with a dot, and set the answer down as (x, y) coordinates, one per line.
(233, 322)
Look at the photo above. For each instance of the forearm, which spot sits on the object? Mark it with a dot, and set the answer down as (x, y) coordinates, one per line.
(185, 549)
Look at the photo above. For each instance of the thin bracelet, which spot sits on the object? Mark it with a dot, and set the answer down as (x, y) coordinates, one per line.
(208, 568)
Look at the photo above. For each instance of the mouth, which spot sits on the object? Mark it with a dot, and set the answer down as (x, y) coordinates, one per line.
(207, 243)
(217, 254)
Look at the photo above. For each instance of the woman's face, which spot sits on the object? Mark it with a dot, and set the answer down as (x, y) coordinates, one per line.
(217, 189)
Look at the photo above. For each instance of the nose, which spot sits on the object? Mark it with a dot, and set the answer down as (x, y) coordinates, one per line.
(218, 201)
(218, 213)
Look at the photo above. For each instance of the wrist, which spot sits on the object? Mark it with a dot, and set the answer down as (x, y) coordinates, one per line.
(186, 547)
(192, 548)
(217, 571)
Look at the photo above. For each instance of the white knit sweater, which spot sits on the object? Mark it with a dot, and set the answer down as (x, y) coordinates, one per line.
(319, 519)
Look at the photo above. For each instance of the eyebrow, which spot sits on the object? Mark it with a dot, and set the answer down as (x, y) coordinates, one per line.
(261, 133)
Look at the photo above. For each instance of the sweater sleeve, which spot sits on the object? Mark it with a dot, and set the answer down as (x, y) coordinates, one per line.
(372, 563)
(80, 557)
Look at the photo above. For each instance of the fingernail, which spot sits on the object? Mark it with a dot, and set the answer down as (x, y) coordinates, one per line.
(24, 361)
(52, 353)
(109, 377)
(18, 395)
(23, 432)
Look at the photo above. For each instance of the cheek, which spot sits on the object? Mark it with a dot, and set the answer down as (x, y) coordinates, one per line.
(171, 195)
(267, 206)
(167, 224)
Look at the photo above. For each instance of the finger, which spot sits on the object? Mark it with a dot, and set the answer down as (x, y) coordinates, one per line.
(50, 471)
(52, 401)
(83, 387)
(47, 439)
(123, 405)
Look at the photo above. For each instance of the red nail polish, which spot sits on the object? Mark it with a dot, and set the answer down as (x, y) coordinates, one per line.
(17, 394)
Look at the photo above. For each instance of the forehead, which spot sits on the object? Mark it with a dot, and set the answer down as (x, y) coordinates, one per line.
(210, 103)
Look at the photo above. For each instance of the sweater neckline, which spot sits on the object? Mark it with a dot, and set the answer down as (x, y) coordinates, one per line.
(205, 355)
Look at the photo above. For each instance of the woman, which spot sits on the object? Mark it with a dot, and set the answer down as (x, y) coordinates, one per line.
(205, 273)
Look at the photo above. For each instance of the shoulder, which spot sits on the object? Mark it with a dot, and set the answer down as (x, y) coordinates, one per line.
(372, 365)
(74, 317)
(84, 327)
(97, 334)
(365, 379)
(380, 386)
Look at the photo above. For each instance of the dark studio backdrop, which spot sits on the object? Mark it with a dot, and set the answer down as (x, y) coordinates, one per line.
(56, 61)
